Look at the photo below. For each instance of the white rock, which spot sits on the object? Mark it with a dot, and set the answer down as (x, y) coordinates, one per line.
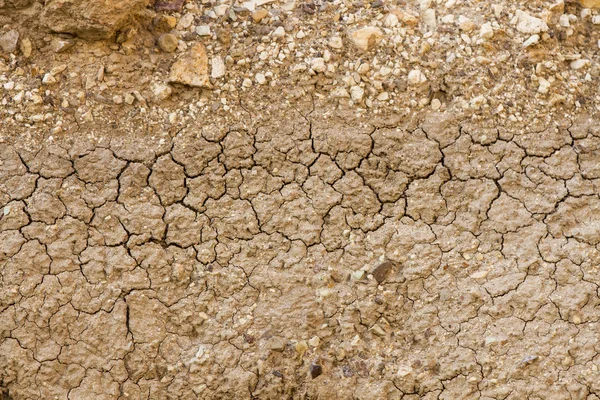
(161, 91)
(218, 67)
(544, 85)
(336, 42)
(563, 20)
(9, 85)
(581, 63)
(529, 24)
(247, 83)
(416, 77)
(533, 39)
(203, 30)
(300, 34)
(357, 93)
(221, 9)
(498, 8)
(260, 78)
(385, 71)
(391, 20)
(117, 99)
(49, 79)
(596, 20)
(478, 102)
(339, 93)
(129, 98)
(436, 104)
(429, 18)
(383, 96)
(279, 32)
(486, 31)
(318, 64)
(185, 21)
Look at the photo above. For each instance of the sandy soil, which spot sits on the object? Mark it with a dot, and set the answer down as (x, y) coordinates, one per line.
(308, 225)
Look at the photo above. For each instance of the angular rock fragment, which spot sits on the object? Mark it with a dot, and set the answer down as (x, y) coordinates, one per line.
(192, 68)
(366, 38)
(9, 40)
(381, 272)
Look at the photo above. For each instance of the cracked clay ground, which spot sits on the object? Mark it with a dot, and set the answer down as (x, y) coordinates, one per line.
(304, 259)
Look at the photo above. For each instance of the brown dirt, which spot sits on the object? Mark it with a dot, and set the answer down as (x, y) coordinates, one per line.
(280, 241)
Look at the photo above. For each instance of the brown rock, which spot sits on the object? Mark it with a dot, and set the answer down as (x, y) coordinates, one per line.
(192, 68)
(169, 5)
(590, 3)
(366, 38)
(259, 15)
(90, 19)
(168, 42)
(381, 271)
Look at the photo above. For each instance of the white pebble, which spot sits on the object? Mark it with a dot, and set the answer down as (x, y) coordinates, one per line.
(416, 77)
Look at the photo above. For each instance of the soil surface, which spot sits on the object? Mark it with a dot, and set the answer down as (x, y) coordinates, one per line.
(390, 220)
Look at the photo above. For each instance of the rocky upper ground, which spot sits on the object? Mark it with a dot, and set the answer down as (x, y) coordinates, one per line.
(73, 64)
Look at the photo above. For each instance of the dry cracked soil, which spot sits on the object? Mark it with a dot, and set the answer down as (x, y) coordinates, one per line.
(412, 215)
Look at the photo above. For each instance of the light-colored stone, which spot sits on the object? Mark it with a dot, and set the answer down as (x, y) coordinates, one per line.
(528, 24)
(203, 30)
(279, 32)
(416, 77)
(581, 63)
(218, 67)
(318, 64)
(90, 19)
(192, 68)
(336, 42)
(429, 17)
(366, 38)
(161, 91)
(9, 40)
(26, 47)
(259, 15)
(48, 79)
(533, 39)
(486, 31)
(590, 3)
(357, 93)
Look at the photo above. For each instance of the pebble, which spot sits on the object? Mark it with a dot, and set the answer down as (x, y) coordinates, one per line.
(192, 68)
(381, 271)
(486, 31)
(429, 18)
(247, 83)
(161, 91)
(357, 93)
(391, 20)
(26, 47)
(185, 21)
(563, 21)
(465, 24)
(534, 39)
(581, 63)
(203, 30)
(259, 15)
(318, 64)
(416, 77)
(315, 370)
(49, 79)
(260, 78)
(529, 24)
(276, 343)
(544, 86)
(129, 98)
(279, 32)
(596, 20)
(590, 3)
(336, 42)
(168, 42)
(301, 348)
(117, 99)
(218, 67)
(366, 38)
(436, 104)
(9, 85)
(8, 41)
(60, 45)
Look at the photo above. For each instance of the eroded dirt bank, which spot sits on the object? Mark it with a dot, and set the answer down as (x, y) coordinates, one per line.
(249, 262)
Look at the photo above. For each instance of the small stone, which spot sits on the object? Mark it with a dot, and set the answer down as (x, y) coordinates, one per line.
(192, 68)
(465, 24)
(218, 67)
(385, 71)
(529, 24)
(429, 18)
(376, 329)
(301, 348)
(168, 42)
(315, 370)
(405, 17)
(383, 96)
(596, 20)
(260, 78)
(276, 343)
(8, 41)
(247, 83)
(259, 15)
(544, 86)
(185, 21)
(18, 98)
(534, 39)
(49, 79)
(164, 23)
(381, 271)
(60, 45)
(340, 93)
(300, 34)
(336, 42)
(279, 32)
(203, 30)
(9, 85)
(314, 341)
(486, 31)
(318, 64)
(366, 38)
(391, 20)
(357, 93)
(416, 77)
(581, 63)
(161, 91)
(563, 21)
(26, 47)
(129, 98)
(404, 370)
(117, 99)
(169, 5)
(436, 104)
